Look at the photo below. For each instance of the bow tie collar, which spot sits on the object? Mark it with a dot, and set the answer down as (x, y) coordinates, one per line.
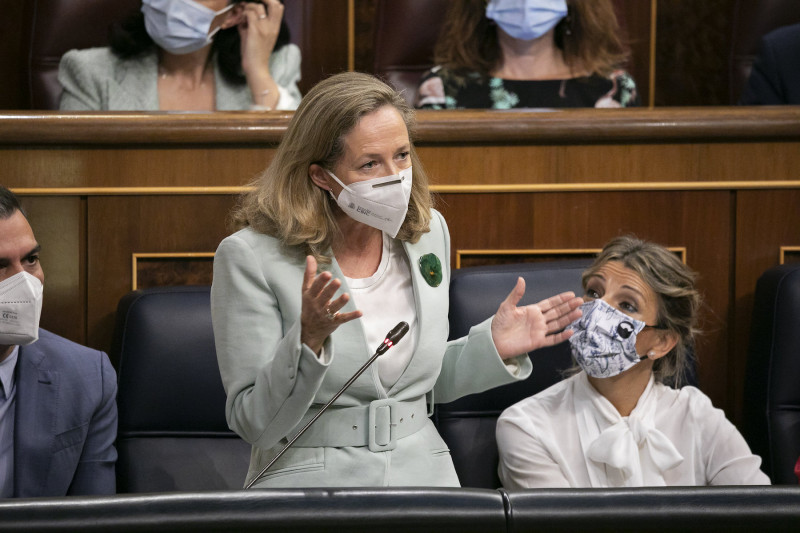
(630, 450)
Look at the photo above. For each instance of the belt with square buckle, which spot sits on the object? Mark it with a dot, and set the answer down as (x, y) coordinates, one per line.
(378, 425)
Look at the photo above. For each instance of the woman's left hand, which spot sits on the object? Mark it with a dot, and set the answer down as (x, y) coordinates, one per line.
(518, 330)
(258, 33)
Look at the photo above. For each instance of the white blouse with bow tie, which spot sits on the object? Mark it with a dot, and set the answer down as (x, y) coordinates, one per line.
(571, 436)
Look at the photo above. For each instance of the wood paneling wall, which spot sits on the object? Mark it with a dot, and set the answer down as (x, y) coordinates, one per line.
(723, 184)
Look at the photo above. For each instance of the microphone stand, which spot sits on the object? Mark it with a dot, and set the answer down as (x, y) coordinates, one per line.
(393, 336)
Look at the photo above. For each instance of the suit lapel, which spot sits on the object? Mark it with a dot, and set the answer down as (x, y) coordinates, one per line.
(135, 84)
(428, 301)
(350, 343)
(230, 97)
(37, 396)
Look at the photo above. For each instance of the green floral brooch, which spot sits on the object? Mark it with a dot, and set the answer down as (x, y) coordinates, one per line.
(431, 269)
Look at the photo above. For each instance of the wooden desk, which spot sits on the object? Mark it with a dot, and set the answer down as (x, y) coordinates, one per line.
(113, 197)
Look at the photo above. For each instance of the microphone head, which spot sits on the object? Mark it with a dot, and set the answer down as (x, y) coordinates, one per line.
(397, 332)
(392, 337)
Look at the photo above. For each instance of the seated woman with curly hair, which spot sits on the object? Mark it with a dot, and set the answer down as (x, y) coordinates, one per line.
(505, 54)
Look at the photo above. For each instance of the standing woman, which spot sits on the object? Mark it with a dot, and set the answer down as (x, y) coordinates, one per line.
(190, 55)
(503, 54)
(338, 244)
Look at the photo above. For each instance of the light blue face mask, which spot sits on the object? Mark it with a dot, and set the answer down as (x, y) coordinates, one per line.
(180, 26)
(526, 19)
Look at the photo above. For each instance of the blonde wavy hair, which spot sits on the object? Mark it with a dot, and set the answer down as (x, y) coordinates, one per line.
(679, 300)
(286, 204)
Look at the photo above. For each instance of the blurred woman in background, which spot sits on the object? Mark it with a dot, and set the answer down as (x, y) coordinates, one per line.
(192, 55)
(505, 54)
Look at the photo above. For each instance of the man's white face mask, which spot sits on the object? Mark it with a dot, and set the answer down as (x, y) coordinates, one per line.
(20, 309)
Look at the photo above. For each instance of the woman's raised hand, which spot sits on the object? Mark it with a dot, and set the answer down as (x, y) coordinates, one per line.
(518, 330)
(320, 315)
(258, 33)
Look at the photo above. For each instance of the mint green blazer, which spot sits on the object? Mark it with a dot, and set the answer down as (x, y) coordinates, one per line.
(94, 79)
(371, 436)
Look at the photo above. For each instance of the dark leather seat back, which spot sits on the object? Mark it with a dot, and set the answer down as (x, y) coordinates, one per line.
(771, 414)
(752, 19)
(173, 435)
(468, 424)
(405, 35)
(54, 27)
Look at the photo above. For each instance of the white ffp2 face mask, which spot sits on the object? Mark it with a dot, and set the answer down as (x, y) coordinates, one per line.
(20, 309)
(526, 19)
(180, 26)
(381, 203)
(603, 342)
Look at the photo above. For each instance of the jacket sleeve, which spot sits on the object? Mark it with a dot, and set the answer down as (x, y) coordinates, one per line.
(728, 459)
(471, 364)
(95, 473)
(524, 461)
(270, 378)
(79, 91)
(284, 65)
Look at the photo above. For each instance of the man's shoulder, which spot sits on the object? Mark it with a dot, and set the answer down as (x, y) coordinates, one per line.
(784, 36)
(64, 352)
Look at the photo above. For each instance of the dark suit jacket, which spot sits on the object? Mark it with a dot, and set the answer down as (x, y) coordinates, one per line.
(775, 78)
(65, 421)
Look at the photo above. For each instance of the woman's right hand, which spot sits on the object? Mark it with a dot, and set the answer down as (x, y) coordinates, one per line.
(319, 316)
(258, 33)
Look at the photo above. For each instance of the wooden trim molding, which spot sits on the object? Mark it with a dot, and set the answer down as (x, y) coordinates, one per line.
(787, 250)
(566, 253)
(442, 189)
(567, 126)
(136, 257)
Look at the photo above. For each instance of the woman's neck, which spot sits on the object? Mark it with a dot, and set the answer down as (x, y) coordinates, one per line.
(189, 70)
(185, 82)
(359, 249)
(625, 389)
(537, 59)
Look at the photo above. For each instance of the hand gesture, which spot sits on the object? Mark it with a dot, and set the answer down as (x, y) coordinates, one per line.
(319, 316)
(517, 330)
(259, 25)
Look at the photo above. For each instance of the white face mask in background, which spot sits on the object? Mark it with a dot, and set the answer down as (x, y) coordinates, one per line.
(603, 342)
(526, 19)
(179, 26)
(381, 203)
(20, 309)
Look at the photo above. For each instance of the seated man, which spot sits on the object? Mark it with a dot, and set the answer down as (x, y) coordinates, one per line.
(58, 412)
(775, 78)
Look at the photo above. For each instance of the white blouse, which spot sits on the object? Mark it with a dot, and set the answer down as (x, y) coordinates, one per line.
(569, 435)
(385, 298)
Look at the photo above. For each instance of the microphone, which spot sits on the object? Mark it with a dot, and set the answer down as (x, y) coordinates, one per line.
(392, 338)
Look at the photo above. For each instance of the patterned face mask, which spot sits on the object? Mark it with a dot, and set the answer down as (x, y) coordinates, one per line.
(604, 340)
